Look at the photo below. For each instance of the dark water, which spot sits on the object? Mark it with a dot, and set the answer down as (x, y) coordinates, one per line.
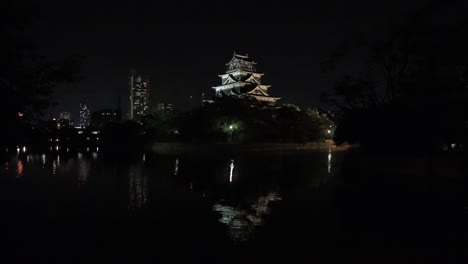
(91, 207)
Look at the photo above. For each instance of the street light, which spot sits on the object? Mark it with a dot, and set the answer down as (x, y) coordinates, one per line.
(230, 133)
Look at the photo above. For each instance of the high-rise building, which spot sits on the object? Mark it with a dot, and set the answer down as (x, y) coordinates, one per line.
(65, 120)
(242, 80)
(84, 116)
(139, 95)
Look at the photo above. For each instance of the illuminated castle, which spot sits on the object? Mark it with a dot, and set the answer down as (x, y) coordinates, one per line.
(242, 80)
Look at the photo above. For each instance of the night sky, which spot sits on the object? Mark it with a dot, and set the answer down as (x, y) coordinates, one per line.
(183, 46)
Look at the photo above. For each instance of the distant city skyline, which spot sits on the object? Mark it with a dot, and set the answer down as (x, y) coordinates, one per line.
(180, 47)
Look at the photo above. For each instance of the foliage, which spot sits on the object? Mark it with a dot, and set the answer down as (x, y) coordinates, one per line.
(27, 79)
(415, 92)
(239, 120)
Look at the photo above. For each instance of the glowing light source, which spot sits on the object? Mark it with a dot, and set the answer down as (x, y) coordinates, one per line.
(20, 114)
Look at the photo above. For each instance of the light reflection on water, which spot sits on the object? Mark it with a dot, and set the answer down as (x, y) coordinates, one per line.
(242, 203)
(43, 159)
(54, 167)
(19, 168)
(84, 170)
(241, 222)
(176, 167)
(231, 171)
(138, 186)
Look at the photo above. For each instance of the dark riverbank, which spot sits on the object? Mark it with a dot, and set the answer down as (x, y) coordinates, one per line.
(213, 148)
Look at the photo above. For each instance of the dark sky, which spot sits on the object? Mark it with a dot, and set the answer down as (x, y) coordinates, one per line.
(182, 46)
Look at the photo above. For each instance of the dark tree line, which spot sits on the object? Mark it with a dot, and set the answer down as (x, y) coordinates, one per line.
(414, 94)
(239, 120)
(27, 79)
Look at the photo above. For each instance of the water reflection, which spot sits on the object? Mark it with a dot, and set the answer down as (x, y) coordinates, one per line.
(241, 222)
(54, 167)
(232, 169)
(176, 167)
(138, 186)
(43, 159)
(84, 169)
(241, 207)
(19, 168)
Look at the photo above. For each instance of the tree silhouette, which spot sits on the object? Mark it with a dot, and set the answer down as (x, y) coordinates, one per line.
(27, 79)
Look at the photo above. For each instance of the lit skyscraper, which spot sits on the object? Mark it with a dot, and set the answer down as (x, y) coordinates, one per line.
(139, 95)
(84, 115)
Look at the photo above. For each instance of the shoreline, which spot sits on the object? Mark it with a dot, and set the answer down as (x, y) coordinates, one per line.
(206, 148)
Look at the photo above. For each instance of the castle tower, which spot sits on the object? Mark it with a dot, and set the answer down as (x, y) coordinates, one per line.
(242, 80)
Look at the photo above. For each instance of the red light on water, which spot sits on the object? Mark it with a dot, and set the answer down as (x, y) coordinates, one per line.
(190, 97)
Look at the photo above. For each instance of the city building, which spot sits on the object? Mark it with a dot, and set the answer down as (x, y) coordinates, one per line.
(100, 118)
(164, 107)
(85, 119)
(64, 123)
(139, 95)
(65, 115)
(242, 80)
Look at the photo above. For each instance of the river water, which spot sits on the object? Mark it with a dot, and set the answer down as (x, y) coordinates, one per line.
(89, 206)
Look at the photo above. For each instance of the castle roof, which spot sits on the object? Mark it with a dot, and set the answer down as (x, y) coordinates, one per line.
(237, 57)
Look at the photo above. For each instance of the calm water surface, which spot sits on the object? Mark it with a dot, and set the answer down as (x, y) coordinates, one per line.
(73, 207)
(220, 199)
